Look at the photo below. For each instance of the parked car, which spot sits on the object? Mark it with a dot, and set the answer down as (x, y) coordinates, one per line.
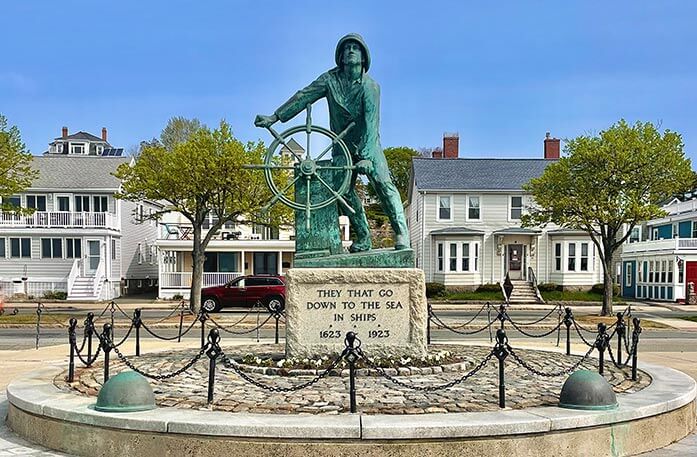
(245, 291)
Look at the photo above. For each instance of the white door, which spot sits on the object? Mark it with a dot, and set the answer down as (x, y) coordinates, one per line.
(93, 254)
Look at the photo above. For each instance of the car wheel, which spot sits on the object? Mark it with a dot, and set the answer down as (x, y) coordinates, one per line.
(210, 305)
(275, 303)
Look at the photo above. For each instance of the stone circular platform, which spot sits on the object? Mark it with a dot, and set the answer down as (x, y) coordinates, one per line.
(375, 395)
(653, 417)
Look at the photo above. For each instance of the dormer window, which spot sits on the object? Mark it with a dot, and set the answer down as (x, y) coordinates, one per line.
(77, 148)
(100, 148)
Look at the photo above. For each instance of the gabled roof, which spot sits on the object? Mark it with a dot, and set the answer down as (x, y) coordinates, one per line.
(457, 231)
(476, 174)
(81, 136)
(76, 172)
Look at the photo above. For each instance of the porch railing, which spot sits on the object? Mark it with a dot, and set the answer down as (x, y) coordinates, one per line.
(182, 280)
(74, 273)
(661, 245)
(532, 279)
(60, 219)
(98, 279)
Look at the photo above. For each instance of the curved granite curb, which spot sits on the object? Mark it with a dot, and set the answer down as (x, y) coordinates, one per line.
(662, 407)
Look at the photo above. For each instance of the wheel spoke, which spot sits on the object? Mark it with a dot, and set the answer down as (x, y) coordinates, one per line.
(283, 142)
(271, 167)
(336, 194)
(336, 140)
(277, 196)
(307, 206)
(338, 167)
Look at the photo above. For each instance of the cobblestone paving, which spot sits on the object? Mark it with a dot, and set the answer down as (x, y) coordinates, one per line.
(374, 394)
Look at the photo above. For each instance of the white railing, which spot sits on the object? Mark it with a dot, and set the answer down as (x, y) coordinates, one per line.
(673, 244)
(98, 278)
(74, 273)
(681, 207)
(182, 280)
(60, 219)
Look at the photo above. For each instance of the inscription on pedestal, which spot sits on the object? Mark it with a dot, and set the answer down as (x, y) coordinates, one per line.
(386, 308)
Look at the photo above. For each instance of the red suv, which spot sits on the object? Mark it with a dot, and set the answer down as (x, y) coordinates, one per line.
(245, 291)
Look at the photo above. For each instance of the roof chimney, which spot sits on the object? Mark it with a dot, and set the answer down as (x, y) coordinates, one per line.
(551, 147)
(104, 136)
(437, 153)
(451, 145)
(64, 132)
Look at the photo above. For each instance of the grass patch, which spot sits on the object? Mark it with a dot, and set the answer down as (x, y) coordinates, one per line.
(689, 318)
(473, 295)
(592, 320)
(571, 295)
(30, 318)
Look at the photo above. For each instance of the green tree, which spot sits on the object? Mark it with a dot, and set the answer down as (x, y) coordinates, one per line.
(608, 181)
(399, 162)
(178, 130)
(201, 175)
(16, 173)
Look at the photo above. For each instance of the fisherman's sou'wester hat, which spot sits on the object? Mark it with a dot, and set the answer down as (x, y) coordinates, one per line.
(358, 39)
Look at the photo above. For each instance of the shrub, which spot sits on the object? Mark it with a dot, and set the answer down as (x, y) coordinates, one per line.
(548, 287)
(600, 289)
(434, 289)
(489, 288)
(177, 297)
(55, 295)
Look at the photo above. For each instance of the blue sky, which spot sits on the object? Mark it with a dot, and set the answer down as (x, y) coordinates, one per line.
(500, 74)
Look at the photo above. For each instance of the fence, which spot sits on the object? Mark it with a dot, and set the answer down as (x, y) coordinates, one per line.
(599, 340)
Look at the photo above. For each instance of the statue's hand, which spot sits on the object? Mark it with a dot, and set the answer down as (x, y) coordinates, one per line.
(265, 121)
(364, 167)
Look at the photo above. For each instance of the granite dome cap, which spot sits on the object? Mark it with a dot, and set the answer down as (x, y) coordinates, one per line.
(358, 39)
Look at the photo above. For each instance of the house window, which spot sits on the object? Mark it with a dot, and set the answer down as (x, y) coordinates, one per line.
(476, 256)
(628, 278)
(680, 272)
(20, 247)
(452, 259)
(100, 204)
(63, 203)
(465, 257)
(51, 248)
(73, 248)
(557, 256)
(82, 203)
(584, 256)
(2, 248)
(139, 254)
(37, 202)
(473, 211)
(77, 148)
(113, 249)
(650, 276)
(15, 201)
(572, 257)
(516, 207)
(670, 271)
(694, 229)
(440, 256)
(664, 270)
(444, 212)
(635, 235)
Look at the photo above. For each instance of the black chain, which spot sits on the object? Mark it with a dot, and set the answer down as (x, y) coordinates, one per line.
(231, 364)
(241, 332)
(88, 362)
(128, 333)
(160, 377)
(433, 315)
(452, 383)
(556, 308)
(532, 335)
(441, 324)
(165, 338)
(578, 330)
(534, 370)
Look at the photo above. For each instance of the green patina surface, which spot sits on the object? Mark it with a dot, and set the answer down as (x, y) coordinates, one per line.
(376, 258)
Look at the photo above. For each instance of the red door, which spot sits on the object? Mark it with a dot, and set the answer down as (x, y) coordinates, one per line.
(690, 275)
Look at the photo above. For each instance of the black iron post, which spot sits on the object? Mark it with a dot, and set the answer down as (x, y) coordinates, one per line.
(106, 347)
(568, 320)
(351, 356)
(181, 322)
(213, 352)
(429, 307)
(72, 339)
(137, 322)
(620, 330)
(501, 352)
(601, 343)
(488, 321)
(202, 317)
(635, 345)
(502, 315)
(89, 330)
(39, 310)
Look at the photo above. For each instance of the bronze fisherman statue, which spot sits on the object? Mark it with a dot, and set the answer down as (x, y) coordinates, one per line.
(353, 96)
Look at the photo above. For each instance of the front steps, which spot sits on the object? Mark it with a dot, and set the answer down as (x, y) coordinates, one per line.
(83, 290)
(524, 293)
